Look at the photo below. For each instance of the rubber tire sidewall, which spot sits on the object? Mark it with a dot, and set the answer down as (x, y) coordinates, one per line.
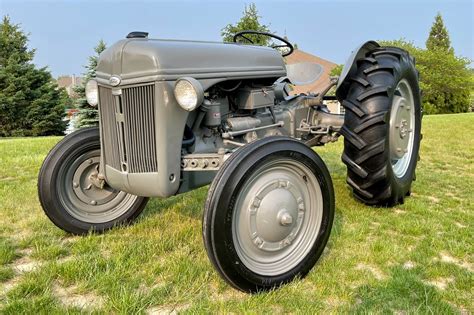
(219, 209)
(73, 145)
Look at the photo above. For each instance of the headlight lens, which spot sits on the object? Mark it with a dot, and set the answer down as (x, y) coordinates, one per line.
(188, 93)
(92, 92)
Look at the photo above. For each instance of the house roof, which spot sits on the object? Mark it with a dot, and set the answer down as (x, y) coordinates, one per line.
(299, 56)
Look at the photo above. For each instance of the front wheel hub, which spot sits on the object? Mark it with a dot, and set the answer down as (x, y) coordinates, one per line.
(276, 214)
(85, 196)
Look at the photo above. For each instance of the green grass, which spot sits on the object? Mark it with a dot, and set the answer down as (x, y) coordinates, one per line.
(417, 257)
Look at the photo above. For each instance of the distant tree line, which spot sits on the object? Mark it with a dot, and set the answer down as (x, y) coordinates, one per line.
(31, 104)
(446, 80)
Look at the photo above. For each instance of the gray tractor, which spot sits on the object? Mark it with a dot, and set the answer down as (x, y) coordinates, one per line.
(176, 115)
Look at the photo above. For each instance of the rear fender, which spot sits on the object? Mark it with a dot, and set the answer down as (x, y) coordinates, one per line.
(350, 67)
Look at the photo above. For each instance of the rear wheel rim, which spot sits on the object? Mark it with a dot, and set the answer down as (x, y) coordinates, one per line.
(401, 128)
(83, 200)
(277, 217)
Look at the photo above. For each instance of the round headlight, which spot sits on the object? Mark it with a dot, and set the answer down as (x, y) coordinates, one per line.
(188, 93)
(92, 92)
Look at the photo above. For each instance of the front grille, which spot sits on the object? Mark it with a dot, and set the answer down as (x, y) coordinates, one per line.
(128, 128)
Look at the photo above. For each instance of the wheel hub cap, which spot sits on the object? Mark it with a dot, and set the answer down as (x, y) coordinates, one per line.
(84, 187)
(272, 214)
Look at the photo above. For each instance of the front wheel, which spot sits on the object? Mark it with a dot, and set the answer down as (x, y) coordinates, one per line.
(71, 193)
(268, 214)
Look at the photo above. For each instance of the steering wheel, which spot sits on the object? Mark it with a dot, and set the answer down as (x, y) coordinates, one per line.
(286, 42)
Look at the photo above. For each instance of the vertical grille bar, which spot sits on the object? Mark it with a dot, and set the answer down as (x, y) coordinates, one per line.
(108, 126)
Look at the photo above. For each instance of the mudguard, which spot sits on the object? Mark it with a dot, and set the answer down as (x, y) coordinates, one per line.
(350, 67)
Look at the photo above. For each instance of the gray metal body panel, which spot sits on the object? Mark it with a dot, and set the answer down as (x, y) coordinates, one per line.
(169, 127)
(350, 67)
(141, 60)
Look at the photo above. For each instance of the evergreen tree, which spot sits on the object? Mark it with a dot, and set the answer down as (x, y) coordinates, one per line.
(88, 115)
(439, 36)
(30, 102)
(250, 20)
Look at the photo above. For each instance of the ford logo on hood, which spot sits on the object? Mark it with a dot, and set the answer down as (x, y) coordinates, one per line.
(114, 81)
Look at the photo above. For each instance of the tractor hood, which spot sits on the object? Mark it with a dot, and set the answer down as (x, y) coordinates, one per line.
(143, 60)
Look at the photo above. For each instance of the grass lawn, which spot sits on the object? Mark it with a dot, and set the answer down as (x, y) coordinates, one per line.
(417, 257)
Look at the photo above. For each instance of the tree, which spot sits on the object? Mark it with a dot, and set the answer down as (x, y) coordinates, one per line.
(337, 70)
(30, 102)
(88, 115)
(250, 20)
(445, 79)
(439, 36)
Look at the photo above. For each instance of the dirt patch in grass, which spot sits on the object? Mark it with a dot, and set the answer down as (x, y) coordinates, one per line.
(460, 225)
(69, 297)
(447, 258)
(25, 264)
(167, 309)
(441, 283)
(9, 285)
(377, 273)
(409, 265)
(399, 211)
(433, 199)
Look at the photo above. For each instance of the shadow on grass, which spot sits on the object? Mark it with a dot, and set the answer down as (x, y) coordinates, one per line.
(402, 291)
(190, 204)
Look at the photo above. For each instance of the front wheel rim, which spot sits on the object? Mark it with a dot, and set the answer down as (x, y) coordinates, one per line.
(83, 200)
(402, 128)
(277, 217)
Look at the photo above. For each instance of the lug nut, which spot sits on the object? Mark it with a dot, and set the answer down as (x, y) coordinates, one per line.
(93, 202)
(75, 185)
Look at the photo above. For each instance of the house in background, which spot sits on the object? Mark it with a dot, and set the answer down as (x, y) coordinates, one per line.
(300, 56)
(69, 82)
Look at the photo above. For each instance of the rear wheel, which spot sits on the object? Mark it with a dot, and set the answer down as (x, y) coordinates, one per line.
(268, 214)
(71, 192)
(382, 127)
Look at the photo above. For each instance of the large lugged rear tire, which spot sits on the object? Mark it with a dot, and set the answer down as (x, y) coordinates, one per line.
(382, 127)
(68, 195)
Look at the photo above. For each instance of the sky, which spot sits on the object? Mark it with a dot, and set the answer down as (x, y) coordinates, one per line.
(65, 32)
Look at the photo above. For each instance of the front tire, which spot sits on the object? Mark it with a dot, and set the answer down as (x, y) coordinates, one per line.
(382, 127)
(268, 214)
(68, 195)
